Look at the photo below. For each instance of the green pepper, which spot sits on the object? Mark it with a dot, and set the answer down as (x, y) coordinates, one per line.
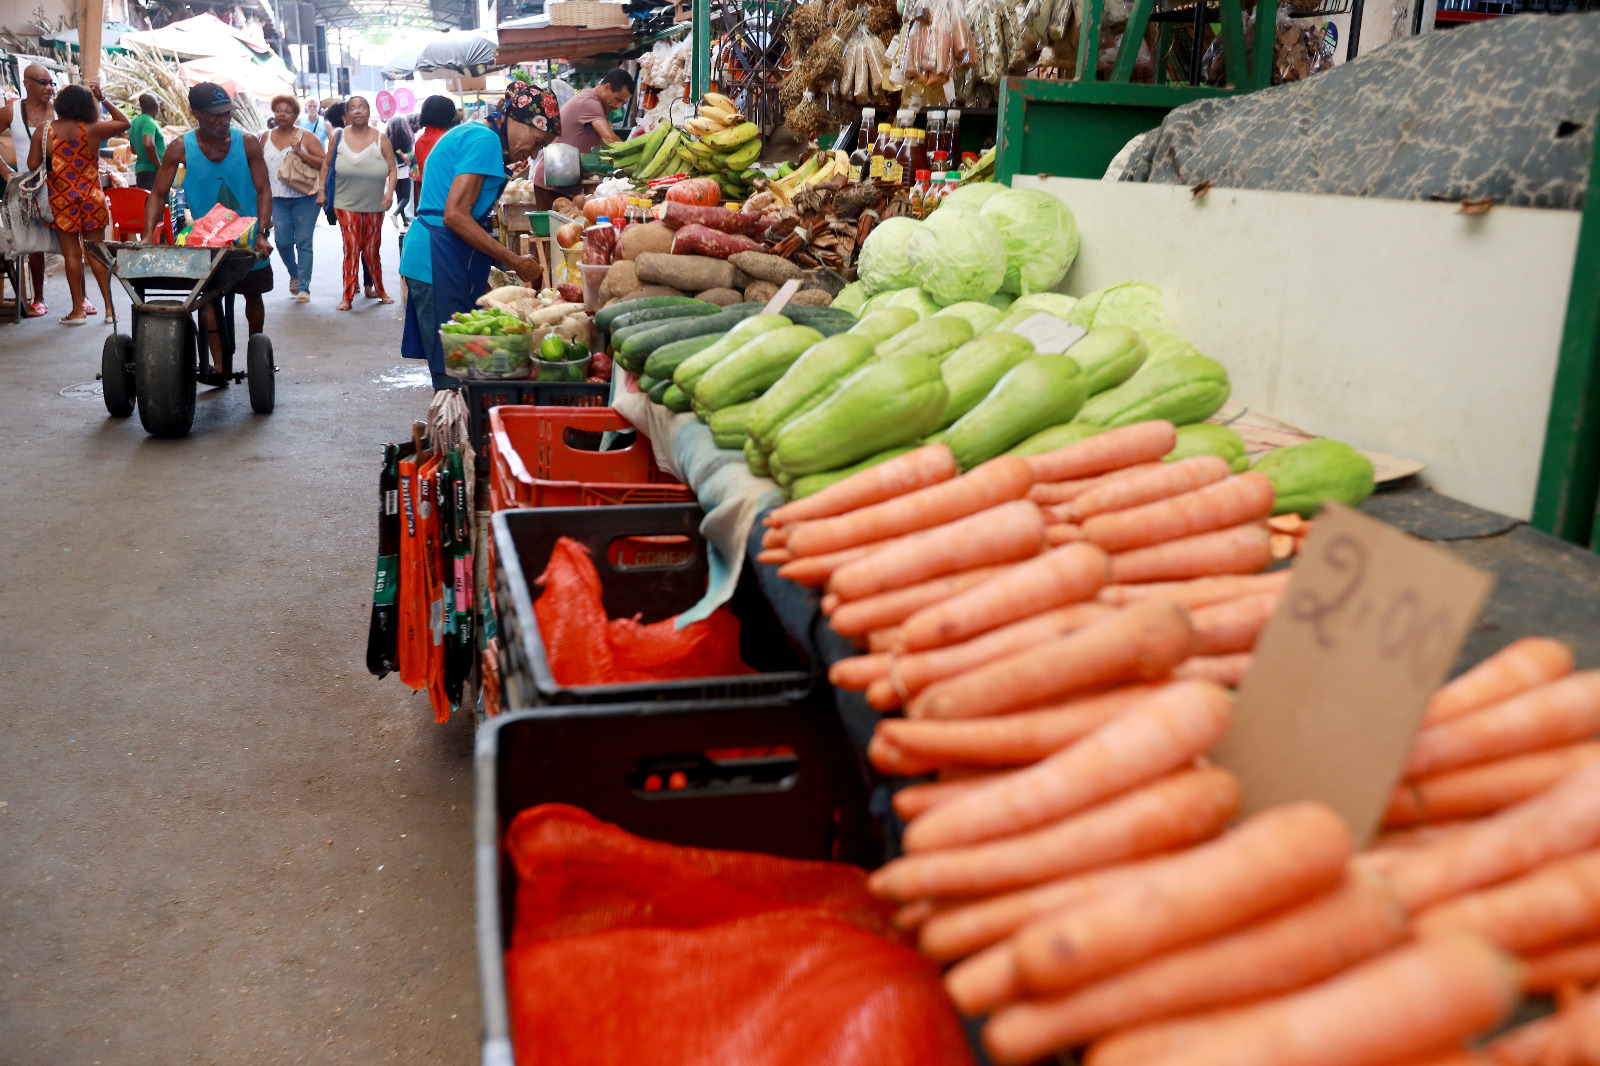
(576, 349)
(552, 349)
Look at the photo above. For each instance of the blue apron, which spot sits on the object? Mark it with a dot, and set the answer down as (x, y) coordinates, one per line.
(460, 276)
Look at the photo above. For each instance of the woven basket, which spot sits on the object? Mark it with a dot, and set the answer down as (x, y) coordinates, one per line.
(590, 14)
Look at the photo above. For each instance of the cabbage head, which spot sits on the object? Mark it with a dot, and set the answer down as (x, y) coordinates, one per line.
(957, 256)
(883, 263)
(972, 197)
(1025, 307)
(852, 298)
(1000, 300)
(912, 297)
(1139, 307)
(1040, 237)
(982, 317)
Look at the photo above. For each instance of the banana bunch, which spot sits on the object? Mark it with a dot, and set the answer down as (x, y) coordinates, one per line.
(820, 167)
(719, 143)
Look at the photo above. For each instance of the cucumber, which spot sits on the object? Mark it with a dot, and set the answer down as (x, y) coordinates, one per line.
(662, 314)
(971, 371)
(689, 371)
(933, 336)
(825, 320)
(811, 484)
(658, 391)
(665, 359)
(756, 459)
(1039, 392)
(675, 399)
(604, 317)
(641, 344)
(818, 370)
(647, 382)
(755, 367)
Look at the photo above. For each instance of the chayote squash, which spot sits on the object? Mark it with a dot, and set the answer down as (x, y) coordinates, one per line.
(688, 372)
(754, 367)
(1049, 440)
(811, 484)
(1109, 356)
(970, 372)
(934, 336)
(1039, 392)
(1203, 438)
(1187, 389)
(756, 459)
(819, 370)
(886, 403)
(1305, 475)
(879, 326)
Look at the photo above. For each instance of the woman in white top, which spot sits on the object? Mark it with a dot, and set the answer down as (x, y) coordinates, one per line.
(293, 212)
(363, 190)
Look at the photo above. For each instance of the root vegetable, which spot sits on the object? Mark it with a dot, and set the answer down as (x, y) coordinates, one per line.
(1545, 717)
(1243, 549)
(1487, 787)
(1519, 666)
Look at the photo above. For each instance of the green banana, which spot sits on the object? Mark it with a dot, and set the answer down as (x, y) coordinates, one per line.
(744, 155)
(733, 136)
(658, 165)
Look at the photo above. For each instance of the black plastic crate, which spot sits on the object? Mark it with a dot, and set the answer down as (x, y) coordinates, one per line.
(483, 395)
(651, 578)
(803, 799)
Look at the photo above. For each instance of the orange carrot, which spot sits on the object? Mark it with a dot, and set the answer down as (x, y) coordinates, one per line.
(1405, 1003)
(1148, 486)
(1526, 1045)
(1243, 549)
(1008, 739)
(909, 919)
(1419, 836)
(915, 800)
(884, 641)
(1059, 493)
(985, 981)
(775, 538)
(1008, 533)
(829, 604)
(898, 476)
(1577, 963)
(1174, 811)
(1292, 524)
(1054, 579)
(1453, 1056)
(1275, 858)
(1519, 666)
(1060, 533)
(1561, 821)
(1226, 628)
(1057, 514)
(1115, 448)
(1557, 902)
(989, 485)
(858, 672)
(1546, 717)
(1155, 736)
(1228, 670)
(813, 571)
(1288, 950)
(891, 608)
(889, 758)
(775, 556)
(1140, 643)
(1198, 592)
(1241, 498)
(1487, 787)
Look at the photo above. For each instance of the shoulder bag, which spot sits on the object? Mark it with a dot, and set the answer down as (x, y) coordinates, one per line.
(333, 161)
(295, 172)
(25, 212)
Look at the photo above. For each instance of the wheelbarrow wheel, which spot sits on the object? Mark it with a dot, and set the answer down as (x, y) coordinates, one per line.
(164, 358)
(260, 370)
(116, 375)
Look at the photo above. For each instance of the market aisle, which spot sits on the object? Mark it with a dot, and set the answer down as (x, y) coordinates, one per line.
(221, 840)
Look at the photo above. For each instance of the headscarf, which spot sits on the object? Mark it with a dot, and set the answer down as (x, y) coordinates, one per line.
(530, 105)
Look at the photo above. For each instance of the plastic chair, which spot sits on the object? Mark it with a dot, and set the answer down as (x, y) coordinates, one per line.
(127, 215)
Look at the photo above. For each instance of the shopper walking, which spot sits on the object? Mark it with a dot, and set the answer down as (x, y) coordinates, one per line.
(147, 141)
(403, 142)
(437, 115)
(294, 208)
(363, 189)
(69, 149)
(313, 121)
(23, 117)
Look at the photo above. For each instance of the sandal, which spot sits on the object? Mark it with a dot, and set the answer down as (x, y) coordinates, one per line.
(371, 293)
(342, 305)
(79, 321)
(386, 299)
(38, 310)
(89, 308)
(303, 298)
(294, 286)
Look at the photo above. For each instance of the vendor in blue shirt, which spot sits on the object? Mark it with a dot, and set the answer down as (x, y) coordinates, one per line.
(446, 256)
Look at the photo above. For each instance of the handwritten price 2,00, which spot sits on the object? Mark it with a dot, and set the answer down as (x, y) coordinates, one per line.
(1397, 621)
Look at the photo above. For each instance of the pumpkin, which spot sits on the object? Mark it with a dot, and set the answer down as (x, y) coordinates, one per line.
(608, 206)
(701, 192)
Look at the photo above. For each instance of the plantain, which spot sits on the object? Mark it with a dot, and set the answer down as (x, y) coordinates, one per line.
(725, 140)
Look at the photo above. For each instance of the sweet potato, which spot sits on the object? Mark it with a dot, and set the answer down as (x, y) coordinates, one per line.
(679, 215)
(703, 240)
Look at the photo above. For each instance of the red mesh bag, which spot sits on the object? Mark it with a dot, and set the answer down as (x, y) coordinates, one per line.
(584, 647)
(633, 952)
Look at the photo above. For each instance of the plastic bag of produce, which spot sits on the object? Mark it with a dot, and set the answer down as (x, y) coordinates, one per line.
(884, 262)
(1039, 234)
(957, 256)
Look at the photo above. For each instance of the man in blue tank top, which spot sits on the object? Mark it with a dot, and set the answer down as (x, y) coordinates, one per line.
(221, 166)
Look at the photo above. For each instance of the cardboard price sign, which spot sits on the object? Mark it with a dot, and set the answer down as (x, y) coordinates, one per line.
(1367, 629)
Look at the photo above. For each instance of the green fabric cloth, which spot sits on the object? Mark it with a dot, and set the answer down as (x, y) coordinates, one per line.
(143, 124)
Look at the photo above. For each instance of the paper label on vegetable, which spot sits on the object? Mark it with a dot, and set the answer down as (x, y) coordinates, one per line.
(1049, 334)
(1368, 628)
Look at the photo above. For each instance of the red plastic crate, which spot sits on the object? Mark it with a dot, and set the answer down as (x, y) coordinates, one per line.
(535, 462)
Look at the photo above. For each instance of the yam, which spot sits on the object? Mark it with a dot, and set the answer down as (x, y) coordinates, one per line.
(620, 280)
(721, 297)
(759, 292)
(646, 237)
(812, 298)
(688, 273)
(652, 290)
(765, 266)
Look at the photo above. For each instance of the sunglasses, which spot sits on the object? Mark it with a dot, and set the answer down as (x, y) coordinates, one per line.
(41, 81)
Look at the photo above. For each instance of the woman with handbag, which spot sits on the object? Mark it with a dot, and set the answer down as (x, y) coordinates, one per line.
(69, 149)
(294, 162)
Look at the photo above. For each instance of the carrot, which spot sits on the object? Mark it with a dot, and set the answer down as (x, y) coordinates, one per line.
(775, 538)
(1228, 670)
(1420, 835)
(1409, 1002)
(891, 608)
(1288, 950)
(1197, 592)
(1054, 579)
(909, 918)
(985, 981)
(1006, 740)
(1566, 964)
(1115, 448)
(1279, 856)
(989, 485)
(915, 800)
(889, 758)
(896, 477)
(1546, 717)
(1561, 821)
(1138, 644)
(1487, 787)
(1526, 1045)
(1148, 486)
(1059, 493)
(1241, 498)
(1514, 669)
(775, 556)
(884, 641)
(1060, 533)
(828, 605)
(813, 571)
(1244, 549)
(1291, 523)
(1226, 628)
(1154, 737)
(858, 672)
(1008, 533)
(1454, 1056)
(1181, 809)
(1557, 902)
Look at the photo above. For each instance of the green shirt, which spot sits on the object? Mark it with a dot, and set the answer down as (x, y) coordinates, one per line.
(143, 124)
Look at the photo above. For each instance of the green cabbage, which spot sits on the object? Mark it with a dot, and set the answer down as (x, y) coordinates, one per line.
(1040, 237)
(1139, 307)
(981, 315)
(852, 298)
(1001, 300)
(914, 298)
(957, 256)
(972, 197)
(883, 263)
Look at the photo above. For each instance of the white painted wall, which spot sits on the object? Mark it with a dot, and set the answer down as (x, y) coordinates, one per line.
(1396, 326)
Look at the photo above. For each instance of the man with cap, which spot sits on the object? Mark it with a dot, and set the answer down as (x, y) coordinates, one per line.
(22, 117)
(221, 166)
(448, 251)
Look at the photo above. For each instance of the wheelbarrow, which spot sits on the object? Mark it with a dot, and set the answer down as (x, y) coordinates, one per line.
(159, 367)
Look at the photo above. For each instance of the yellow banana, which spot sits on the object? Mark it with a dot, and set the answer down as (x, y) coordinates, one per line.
(701, 126)
(722, 103)
(723, 119)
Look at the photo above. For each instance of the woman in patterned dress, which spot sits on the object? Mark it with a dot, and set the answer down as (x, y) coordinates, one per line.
(72, 145)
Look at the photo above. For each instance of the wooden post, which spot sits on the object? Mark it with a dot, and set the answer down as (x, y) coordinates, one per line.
(91, 20)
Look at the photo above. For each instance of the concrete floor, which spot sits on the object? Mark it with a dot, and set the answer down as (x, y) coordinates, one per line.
(221, 840)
